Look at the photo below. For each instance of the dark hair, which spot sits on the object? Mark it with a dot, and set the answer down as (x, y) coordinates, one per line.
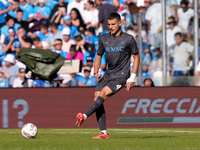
(36, 39)
(77, 12)
(16, 1)
(21, 69)
(185, 2)
(19, 10)
(8, 18)
(114, 16)
(53, 25)
(152, 83)
(73, 48)
(82, 24)
(21, 28)
(58, 40)
(91, 2)
(178, 34)
(45, 26)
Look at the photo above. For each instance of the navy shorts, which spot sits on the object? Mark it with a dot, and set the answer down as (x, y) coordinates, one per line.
(115, 85)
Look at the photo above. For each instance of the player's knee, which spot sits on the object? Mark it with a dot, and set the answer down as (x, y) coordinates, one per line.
(103, 95)
(96, 94)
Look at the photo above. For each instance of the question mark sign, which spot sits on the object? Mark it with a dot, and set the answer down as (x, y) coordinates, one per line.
(23, 112)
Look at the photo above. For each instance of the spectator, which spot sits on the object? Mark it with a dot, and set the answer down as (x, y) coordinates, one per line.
(58, 48)
(154, 17)
(127, 14)
(3, 12)
(90, 37)
(69, 80)
(43, 34)
(9, 23)
(78, 4)
(190, 31)
(90, 63)
(37, 83)
(148, 82)
(146, 59)
(133, 30)
(77, 20)
(105, 9)
(90, 15)
(52, 3)
(4, 77)
(87, 80)
(155, 66)
(11, 68)
(74, 54)
(184, 14)
(14, 9)
(62, 6)
(9, 40)
(56, 33)
(182, 56)
(20, 81)
(42, 11)
(16, 48)
(37, 43)
(67, 42)
(19, 20)
(171, 31)
(86, 48)
(67, 22)
(24, 40)
(28, 10)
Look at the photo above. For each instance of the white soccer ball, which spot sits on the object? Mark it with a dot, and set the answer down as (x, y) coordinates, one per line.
(29, 130)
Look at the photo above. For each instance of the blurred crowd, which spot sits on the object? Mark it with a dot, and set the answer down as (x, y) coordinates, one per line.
(72, 29)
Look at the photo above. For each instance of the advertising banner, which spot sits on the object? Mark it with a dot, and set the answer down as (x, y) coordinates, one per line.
(142, 107)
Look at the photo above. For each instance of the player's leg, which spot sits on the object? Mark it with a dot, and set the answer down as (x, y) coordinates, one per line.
(81, 117)
(103, 95)
(113, 87)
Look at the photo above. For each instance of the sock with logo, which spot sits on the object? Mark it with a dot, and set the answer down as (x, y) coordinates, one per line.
(94, 106)
(101, 119)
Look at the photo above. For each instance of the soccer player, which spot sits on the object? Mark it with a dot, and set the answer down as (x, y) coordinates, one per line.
(118, 48)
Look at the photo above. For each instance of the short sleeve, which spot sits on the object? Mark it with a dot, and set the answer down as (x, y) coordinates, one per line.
(133, 46)
(101, 48)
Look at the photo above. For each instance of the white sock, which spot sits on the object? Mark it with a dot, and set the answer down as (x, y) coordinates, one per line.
(85, 116)
(104, 132)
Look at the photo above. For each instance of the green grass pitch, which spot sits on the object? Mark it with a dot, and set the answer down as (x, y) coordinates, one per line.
(120, 139)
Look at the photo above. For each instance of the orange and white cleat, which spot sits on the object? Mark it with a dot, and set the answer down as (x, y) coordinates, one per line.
(101, 136)
(80, 119)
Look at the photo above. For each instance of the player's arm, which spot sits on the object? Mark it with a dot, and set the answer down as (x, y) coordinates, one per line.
(97, 64)
(131, 80)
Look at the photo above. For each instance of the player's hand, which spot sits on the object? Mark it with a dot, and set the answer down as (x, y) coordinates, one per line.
(129, 85)
(98, 76)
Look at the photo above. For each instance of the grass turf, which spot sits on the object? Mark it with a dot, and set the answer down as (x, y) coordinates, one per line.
(120, 139)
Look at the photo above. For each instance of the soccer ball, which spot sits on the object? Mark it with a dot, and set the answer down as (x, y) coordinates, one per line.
(29, 130)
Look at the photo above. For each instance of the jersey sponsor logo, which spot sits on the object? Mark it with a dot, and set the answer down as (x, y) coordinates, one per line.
(107, 49)
(115, 49)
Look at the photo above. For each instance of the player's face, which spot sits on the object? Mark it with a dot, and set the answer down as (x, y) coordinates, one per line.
(114, 27)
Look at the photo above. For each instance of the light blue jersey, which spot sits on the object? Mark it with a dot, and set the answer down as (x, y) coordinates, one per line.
(45, 11)
(2, 17)
(27, 11)
(4, 29)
